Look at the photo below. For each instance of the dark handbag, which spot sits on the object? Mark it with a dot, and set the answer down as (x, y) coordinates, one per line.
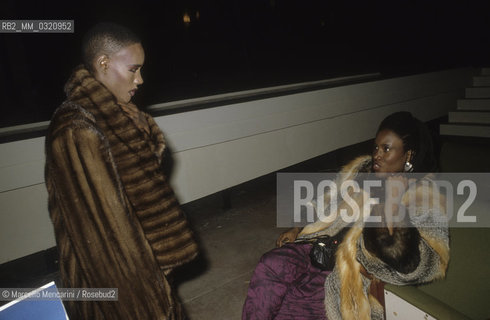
(322, 253)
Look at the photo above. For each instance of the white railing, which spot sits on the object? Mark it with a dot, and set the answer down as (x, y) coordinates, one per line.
(222, 146)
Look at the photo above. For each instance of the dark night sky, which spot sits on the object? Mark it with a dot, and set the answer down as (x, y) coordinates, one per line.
(235, 45)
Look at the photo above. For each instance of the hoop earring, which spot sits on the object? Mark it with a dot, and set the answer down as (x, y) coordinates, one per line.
(408, 167)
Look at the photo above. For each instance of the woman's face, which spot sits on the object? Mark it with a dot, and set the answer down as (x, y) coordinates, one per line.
(388, 153)
(121, 72)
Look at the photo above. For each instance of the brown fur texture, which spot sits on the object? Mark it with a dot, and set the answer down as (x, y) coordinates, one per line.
(348, 172)
(346, 288)
(425, 192)
(116, 219)
(354, 303)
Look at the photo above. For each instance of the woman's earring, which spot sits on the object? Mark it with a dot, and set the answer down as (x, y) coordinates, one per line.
(408, 167)
(104, 67)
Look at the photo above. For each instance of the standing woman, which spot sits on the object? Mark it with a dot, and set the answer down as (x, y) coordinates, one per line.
(116, 219)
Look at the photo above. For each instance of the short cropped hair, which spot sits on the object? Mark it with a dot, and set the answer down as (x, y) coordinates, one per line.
(105, 38)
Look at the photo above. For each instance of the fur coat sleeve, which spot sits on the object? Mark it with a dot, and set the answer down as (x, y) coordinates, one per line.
(346, 288)
(103, 244)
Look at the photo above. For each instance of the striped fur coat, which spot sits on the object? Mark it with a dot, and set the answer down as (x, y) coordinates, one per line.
(116, 219)
(347, 288)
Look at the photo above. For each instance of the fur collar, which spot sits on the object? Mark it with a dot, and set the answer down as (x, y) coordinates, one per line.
(350, 171)
(346, 289)
(138, 156)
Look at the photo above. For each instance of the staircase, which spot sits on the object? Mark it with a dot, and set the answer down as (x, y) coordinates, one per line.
(472, 117)
(465, 138)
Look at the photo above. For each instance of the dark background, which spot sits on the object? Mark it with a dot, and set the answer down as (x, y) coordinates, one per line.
(233, 45)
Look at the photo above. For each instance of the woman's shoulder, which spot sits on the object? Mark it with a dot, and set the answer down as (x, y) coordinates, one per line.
(71, 116)
(70, 110)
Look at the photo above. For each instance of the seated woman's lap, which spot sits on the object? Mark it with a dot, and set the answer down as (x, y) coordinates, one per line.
(286, 286)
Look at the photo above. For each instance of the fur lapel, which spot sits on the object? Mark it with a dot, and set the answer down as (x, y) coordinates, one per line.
(346, 288)
(347, 281)
(138, 161)
(102, 104)
(348, 172)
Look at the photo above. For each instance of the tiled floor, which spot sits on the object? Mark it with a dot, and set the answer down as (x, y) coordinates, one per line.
(232, 240)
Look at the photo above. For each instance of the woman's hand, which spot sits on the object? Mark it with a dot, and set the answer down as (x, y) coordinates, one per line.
(397, 186)
(287, 236)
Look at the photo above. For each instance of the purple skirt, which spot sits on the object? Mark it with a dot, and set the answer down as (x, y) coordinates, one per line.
(286, 286)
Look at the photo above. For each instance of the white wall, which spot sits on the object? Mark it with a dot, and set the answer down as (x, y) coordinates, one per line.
(223, 146)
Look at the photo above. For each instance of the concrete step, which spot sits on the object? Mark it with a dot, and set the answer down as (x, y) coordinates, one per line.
(475, 117)
(465, 130)
(478, 92)
(485, 71)
(481, 81)
(474, 104)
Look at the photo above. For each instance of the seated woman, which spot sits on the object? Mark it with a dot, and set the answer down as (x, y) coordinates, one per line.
(285, 284)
